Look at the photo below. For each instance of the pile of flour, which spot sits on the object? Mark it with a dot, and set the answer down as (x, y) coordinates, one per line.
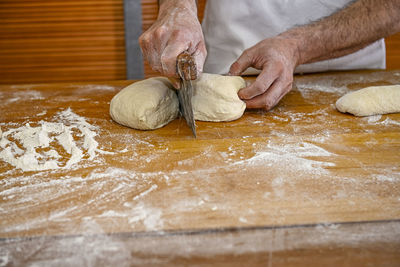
(49, 145)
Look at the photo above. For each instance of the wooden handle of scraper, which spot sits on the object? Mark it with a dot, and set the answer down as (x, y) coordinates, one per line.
(187, 65)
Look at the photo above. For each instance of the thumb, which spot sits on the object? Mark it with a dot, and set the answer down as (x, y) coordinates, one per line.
(241, 64)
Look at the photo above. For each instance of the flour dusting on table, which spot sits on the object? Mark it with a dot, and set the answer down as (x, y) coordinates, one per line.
(50, 145)
(25, 95)
(295, 155)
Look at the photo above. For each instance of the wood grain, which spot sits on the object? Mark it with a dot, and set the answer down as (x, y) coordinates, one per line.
(393, 52)
(46, 41)
(350, 244)
(303, 162)
(300, 184)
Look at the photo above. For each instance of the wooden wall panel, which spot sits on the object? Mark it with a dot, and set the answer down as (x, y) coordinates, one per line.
(149, 15)
(51, 40)
(79, 40)
(393, 52)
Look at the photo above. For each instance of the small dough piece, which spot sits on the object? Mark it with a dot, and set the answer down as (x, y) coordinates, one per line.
(215, 97)
(145, 105)
(371, 101)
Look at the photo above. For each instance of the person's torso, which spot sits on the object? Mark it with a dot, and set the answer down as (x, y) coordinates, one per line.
(231, 26)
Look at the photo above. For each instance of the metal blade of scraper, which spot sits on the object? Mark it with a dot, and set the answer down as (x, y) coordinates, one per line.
(187, 71)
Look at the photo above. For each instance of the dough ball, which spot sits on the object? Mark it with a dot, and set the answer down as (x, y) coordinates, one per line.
(145, 105)
(215, 97)
(371, 101)
(152, 103)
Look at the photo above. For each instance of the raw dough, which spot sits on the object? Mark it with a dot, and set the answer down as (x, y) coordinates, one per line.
(152, 103)
(371, 101)
(215, 98)
(145, 105)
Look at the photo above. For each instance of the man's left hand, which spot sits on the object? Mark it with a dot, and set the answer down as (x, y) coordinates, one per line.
(276, 58)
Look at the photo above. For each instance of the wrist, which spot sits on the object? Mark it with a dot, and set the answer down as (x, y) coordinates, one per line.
(165, 6)
(293, 45)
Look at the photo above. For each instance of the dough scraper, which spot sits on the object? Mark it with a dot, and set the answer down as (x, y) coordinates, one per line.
(187, 71)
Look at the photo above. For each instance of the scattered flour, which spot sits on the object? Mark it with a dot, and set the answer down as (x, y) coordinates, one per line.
(242, 220)
(376, 120)
(90, 88)
(150, 216)
(43, 147)
(165, 249)
(307, 89)
(293, 155)
(372, 119)
(153, 187)
(327, 87)
(70, 132)
(389, 121)
(44, 112)
(385, 178)
(25, 95)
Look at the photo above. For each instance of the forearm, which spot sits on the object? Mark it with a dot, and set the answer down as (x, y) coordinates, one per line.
(346, 31)
(166, 6)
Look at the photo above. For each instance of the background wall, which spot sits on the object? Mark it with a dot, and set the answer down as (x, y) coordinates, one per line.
(79, 40)
(51, 40)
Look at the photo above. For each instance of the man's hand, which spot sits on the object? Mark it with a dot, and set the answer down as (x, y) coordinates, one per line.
(342, 33)
(177, 29)
(276, 58)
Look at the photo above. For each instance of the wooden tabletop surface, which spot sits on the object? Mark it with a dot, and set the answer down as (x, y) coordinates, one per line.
(302, 176)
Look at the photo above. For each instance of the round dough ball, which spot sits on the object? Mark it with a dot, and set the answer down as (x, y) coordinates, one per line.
(145, 105)
(372, 100)
(215, 97)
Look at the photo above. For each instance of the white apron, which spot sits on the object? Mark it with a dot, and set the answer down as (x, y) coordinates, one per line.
(231, 26)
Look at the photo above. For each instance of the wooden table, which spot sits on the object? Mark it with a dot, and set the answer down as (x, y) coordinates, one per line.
(300, 184)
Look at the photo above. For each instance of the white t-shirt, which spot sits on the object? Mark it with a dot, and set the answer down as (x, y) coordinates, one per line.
(231, 26)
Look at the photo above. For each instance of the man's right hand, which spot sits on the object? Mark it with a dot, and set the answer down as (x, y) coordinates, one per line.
(177, 29)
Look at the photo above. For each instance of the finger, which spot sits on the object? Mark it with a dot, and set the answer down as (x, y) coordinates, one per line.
(264, 80)
(154, 60)
(270, 98)
(152, 56)
(169, 56)
(160, 36)
(199, 56)
(149, 51)
(242, 63)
